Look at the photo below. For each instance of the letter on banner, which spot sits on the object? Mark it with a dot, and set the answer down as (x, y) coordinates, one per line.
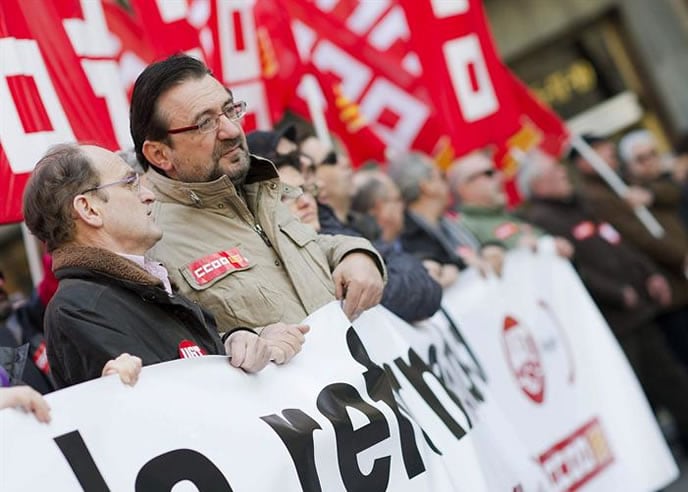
(90, 37)
(411, 114)
(238, 42)
(21, 57)
(443, 8)
(470, 77)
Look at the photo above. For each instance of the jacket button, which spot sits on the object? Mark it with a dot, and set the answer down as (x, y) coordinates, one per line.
(277, 263)
(273, 186)
(221, 205)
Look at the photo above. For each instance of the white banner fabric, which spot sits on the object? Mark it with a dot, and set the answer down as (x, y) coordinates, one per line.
(521, 387)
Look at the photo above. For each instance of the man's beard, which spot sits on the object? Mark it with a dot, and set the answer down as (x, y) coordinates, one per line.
(238, 175)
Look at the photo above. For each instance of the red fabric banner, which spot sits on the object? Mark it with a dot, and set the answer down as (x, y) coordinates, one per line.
(403, 74)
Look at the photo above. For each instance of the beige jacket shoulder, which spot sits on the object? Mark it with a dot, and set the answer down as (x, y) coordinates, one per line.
(250, 263)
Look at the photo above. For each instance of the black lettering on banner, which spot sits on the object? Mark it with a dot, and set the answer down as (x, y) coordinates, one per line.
(414, 373)
(381, 386)
(332, 402)
(80, 460)
(472, 368)
(162, 473)
(296, 433)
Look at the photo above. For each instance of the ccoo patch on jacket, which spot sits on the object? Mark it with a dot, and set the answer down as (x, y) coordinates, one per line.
(215, 266)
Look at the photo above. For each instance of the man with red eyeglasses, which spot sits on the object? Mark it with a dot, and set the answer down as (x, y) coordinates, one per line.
(230, 244)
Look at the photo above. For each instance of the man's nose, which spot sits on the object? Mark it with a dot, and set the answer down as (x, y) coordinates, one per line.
(228, 128)
(146, 195)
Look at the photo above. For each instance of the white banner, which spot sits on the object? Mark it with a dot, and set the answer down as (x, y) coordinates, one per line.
(556, 370)
(516, 402)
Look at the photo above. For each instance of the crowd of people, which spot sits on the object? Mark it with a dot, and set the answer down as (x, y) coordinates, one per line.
(204, 240)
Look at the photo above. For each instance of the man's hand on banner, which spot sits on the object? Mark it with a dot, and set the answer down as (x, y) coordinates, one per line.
(127, 366)
(358, 281)
(285, 341)
(247, 351)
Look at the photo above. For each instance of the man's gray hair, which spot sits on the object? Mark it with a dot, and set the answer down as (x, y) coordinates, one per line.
(407, 171)
(632, 139)
(530, 166)
(368, 188)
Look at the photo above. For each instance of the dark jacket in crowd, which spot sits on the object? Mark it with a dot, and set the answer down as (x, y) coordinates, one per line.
(605, 262)
(410, 292)
(24, 329)
(106, 305)
(428, 243)
(668, 252)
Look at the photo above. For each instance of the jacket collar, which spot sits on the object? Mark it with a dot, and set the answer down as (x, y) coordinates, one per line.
(195, 194)
(101, 261)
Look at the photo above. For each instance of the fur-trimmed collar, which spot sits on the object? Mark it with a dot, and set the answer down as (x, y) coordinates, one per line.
(102, 261)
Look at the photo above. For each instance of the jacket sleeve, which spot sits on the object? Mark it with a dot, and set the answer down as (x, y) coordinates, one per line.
(338, 246)
(410, 292)
(81, 341)
(665, 251)
(602, 287)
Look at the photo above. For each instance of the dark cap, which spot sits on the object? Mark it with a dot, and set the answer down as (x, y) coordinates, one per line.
(588, 138)
(264, 144)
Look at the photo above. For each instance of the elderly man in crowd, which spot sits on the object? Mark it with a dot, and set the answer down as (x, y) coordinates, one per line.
(229, 242)
(94, 214)
(627, 286)
(661, 196)
(442, 245)
(410, 292)
(479, 190)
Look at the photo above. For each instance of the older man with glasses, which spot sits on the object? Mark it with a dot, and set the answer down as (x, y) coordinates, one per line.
(230, 243)
(94, 215)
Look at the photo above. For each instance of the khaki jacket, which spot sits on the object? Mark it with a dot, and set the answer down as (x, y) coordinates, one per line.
(250, 263)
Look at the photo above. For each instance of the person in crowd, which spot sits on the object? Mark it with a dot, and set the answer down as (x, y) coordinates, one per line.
(94, 214)
(22, 326)
(643, 168)
(679, 170)
(442, 245)
(479, 190)
(669, 252)
(230, 244)
(627, 287)
(410, 292)
(333, 175)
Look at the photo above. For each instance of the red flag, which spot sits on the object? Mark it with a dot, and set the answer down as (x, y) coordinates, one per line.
(58, 83)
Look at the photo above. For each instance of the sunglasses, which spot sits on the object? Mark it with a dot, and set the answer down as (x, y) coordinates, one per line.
(330, 158)
(487, 173)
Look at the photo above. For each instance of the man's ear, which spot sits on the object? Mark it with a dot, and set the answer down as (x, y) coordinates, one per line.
(86, 211)
(157, 153)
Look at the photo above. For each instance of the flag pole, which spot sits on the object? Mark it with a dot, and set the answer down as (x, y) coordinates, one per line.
(615, 183)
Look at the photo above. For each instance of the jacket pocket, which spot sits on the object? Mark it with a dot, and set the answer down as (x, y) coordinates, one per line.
(305, 238)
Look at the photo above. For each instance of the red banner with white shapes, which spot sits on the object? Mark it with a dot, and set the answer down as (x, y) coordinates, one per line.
(59, 82)
(403, 74)
(364, 46)
(222, 34)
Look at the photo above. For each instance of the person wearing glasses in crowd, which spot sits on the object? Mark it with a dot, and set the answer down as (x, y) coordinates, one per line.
(410, 292)
(479, 191)
(230, 244)
(95, 217)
